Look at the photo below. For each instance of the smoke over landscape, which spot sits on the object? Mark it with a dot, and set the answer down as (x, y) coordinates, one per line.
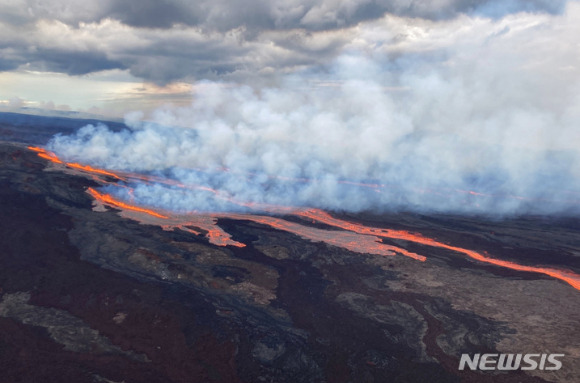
(290, 191)
(461, 121)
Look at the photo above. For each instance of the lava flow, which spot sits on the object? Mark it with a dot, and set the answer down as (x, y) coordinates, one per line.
(352, 241)
(90, 169)
(352, 236)
(208, 224)
(43, 153)
(107, 199)
(320, 216)
(365, 244)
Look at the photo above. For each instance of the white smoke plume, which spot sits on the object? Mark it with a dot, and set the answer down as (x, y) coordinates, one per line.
(472, 104)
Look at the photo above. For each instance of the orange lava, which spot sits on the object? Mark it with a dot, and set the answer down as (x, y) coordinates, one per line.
(320, 216)
(365, 244)
(215, 234)
(567, 276)
(354, 237)
(90, 169)
(42, 153)
(109, 200)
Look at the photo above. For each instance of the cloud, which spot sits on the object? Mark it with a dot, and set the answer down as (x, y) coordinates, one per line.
(171, 40)
(489, 125)
(225, 15)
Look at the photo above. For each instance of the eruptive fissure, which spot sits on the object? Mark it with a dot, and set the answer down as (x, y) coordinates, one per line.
(351, 236)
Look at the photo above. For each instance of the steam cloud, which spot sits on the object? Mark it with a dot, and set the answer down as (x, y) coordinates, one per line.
(496, 111)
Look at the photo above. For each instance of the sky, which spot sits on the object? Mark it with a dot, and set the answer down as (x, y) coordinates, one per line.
(462, 106)
(114, 56)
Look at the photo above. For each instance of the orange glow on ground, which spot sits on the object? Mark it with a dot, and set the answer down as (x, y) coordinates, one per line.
(42, 153)
(36, 149)
(364, 244)
(320, 216)
(205, 223)
(109, 200)
(354, 237)
(90, 169)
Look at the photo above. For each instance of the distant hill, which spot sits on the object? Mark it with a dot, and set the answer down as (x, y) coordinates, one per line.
(59, 113)
(35, 129)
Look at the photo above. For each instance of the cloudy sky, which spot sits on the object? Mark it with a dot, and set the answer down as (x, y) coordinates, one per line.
(114, 56)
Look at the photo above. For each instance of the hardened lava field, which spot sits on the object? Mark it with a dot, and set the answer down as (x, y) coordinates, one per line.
(92, 291)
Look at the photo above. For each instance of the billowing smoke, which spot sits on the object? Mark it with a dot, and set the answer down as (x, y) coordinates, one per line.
(483, 121)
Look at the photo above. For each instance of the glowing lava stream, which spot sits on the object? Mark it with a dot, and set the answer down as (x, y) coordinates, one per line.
(106, 198)
(366, 244)
(90, 169)
(355, 237)
(43, 153)
(320, 216)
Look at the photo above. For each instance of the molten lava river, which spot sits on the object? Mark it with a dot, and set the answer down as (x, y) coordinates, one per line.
(341, 233)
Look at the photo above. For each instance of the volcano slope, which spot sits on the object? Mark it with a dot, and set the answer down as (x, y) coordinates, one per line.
(88, 294)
